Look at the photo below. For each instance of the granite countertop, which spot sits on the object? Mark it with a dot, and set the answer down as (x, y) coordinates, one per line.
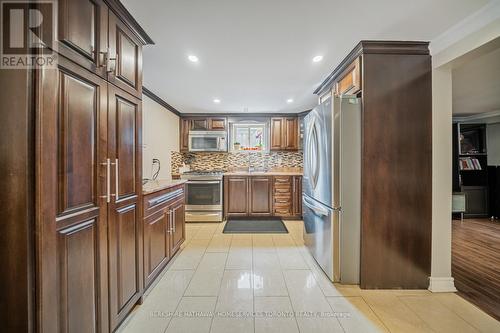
(160, 184)
(271, 172)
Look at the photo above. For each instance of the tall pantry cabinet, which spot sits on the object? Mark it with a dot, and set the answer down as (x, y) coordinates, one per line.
(88, 171)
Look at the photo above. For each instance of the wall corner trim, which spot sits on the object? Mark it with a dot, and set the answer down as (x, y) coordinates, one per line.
(442, 285)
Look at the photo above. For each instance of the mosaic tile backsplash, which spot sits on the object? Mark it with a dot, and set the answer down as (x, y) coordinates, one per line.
(225, 161)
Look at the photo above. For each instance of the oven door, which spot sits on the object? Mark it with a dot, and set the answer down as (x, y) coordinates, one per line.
(203, 195)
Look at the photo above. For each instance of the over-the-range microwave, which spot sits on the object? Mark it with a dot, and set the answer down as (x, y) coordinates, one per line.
(207, 141)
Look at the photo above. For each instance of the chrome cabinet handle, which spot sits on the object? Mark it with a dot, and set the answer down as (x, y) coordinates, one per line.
(109, 67)
(104, 61)
(116, 179)
(108, 180)
(173, 221)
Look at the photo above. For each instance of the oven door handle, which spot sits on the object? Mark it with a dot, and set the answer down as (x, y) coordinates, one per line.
(203, 182)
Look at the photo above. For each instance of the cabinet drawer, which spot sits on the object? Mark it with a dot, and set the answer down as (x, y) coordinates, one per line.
(282, 190)
(282, 211)
(156, 201)
(282, 180)
(281, 205)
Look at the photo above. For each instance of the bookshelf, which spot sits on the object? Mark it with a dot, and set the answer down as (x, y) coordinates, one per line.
(470, 167)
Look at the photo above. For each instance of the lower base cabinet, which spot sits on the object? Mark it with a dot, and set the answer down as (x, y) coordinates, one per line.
(164, 229)
(263, 196)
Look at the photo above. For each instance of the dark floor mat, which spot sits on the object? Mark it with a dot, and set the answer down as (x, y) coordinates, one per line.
(255, 226)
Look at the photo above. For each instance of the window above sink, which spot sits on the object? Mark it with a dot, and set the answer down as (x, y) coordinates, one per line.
(249, 136)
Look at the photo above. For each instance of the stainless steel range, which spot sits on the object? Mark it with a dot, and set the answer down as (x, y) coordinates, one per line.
(203, 196)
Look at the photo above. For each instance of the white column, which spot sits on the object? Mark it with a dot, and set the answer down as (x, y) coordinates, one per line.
(441, 280)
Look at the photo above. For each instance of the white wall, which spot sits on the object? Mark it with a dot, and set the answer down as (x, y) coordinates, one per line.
(476, 30)
(160, 135)
(493, 143)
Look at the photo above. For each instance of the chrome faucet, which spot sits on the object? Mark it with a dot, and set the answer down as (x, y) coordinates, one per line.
(250, 167)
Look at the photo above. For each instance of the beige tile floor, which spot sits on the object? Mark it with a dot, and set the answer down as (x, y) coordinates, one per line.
(269, 283)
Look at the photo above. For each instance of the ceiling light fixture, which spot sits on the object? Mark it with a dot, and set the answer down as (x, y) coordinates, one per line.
(318, 58)
(290, 100)
(216, 100)
(193, 58)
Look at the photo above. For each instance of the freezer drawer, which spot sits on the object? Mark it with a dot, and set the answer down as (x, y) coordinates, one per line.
(318, 233)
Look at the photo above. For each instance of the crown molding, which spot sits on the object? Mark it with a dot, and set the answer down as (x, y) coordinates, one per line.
(472, 23)
(479, 116)
(160, 101)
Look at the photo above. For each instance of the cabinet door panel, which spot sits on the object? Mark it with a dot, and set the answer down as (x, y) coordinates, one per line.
(125, 252)
(78, 248)
(72, 273)
(125, 53)
(184, 139)
(82, 32)
(276, 133)
(123, 248)
(218, 124)
(199, 124)
(260, 196)
(178, 226)
(236, 196)
(291, 134)
(157, 242)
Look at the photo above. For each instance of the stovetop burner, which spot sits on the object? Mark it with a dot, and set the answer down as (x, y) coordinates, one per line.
(203, 175)
(204, 172)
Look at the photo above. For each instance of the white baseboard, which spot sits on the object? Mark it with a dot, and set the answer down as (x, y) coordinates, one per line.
(442, 285)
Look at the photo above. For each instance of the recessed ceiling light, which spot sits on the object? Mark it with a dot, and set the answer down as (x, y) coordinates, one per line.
(290, 100)
(216, 100)
(318, 58)
(193, 58)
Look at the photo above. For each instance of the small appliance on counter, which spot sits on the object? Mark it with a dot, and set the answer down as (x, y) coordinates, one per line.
(203, 195)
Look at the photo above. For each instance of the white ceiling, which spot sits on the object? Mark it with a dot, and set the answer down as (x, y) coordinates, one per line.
(476, 85)
(256, 54)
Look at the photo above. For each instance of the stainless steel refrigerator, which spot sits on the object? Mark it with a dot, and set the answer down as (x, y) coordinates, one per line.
(332, 187)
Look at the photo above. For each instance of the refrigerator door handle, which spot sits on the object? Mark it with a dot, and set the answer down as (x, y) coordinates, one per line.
(317, 210)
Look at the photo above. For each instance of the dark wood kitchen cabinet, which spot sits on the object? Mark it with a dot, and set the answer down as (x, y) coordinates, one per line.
(84, 239)
(260, 198)
(73, 220)
(284, 133)
(92, 34)
(257, 195)
(236, 195)
(164, 229)
(124, 231)
(185, 124)
(394, 81)
(287, 196)
(83, 33)
(124, 57)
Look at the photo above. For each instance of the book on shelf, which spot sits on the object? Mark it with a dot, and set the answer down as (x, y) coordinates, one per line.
(469, 163)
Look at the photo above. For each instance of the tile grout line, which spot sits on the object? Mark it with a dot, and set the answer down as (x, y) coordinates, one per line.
(218, 292)
(456, 313)
(187, 286)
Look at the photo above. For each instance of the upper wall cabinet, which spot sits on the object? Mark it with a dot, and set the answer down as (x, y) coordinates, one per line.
(83, 33)
(184, 134)
(350, 81)
(208, 124)
(124, 61)
(92, 35)
(284, 133)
